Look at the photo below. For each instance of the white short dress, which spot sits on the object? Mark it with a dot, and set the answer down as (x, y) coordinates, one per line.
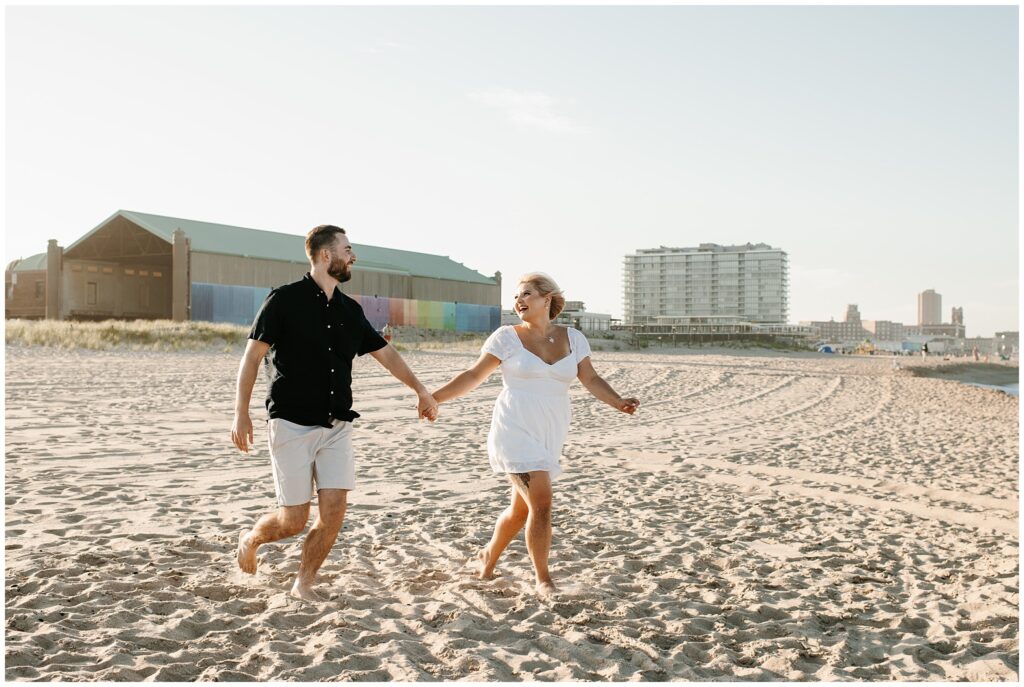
(532, 413)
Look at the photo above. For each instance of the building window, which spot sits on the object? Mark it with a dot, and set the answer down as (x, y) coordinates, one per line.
(90, 293)
(40, 289)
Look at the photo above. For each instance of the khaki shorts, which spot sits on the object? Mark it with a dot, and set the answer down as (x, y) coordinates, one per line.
(301, 455)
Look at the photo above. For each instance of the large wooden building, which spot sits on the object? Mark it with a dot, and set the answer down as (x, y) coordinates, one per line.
(25, 288)
(135, 265)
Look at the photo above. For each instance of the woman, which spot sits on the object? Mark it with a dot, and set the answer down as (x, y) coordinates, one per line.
(538, 360)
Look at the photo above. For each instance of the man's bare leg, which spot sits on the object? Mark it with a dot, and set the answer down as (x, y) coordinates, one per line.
(506, 528)
(535, 488)
(286, 521)
(332, 504)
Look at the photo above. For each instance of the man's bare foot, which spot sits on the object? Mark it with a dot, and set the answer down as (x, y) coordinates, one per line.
(304, 590)
(545, 590)
(246, 553)
(486, 571)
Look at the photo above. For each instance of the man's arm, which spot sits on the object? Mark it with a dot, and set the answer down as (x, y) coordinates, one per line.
(389, 358)
(241, 427)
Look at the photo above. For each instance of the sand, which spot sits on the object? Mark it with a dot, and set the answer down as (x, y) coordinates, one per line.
(762, 517)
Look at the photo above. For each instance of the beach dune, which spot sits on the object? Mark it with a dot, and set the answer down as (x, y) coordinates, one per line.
(762, 517)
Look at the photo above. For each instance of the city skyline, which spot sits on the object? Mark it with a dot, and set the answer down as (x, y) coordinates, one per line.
(956, 314)
(876, 146)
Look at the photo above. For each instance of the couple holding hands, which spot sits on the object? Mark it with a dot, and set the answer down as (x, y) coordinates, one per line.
(312, 333)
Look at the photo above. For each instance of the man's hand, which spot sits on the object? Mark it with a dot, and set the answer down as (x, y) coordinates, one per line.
(248, 368)
(241, 432)
(427, 407)
(393, 363)
(628, 405)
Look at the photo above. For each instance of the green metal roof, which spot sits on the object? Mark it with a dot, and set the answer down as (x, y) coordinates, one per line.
(224, 239)
(32, 262)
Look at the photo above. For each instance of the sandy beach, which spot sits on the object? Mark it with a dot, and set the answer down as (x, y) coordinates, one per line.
(763, 517)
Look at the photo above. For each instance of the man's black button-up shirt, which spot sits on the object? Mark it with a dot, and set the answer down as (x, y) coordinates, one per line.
(313, 341)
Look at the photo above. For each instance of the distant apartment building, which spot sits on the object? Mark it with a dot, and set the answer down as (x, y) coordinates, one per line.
(954, 331)
(575, 315)
(851, 329)
(884, 330)
(929, 307)
(838, 331)
(929, 304)
(748, 283)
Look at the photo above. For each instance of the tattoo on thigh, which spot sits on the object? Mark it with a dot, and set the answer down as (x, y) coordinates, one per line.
(523, 477)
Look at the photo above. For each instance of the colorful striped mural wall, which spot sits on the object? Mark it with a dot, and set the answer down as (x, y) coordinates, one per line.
(226, 303)
(453, 317)
(239, 304)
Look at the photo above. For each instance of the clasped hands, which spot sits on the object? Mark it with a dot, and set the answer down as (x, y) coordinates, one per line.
(427, 406)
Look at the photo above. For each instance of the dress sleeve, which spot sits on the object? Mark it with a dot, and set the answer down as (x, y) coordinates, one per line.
(580, 345)
(498, 343)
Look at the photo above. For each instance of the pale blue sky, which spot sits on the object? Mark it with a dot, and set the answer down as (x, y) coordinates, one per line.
(876, 145)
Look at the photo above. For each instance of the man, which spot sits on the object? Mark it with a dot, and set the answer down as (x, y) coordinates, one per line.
(312, 332)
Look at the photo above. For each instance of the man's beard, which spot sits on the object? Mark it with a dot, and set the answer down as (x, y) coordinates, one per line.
(340, 270)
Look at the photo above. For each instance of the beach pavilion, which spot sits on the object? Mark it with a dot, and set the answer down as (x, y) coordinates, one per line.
(135, 265)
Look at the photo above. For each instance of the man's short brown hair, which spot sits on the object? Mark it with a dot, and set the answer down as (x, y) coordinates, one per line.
(320, 237)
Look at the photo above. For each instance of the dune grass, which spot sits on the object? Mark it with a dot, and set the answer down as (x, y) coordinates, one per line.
(136, 335)
(466, 343)
(165, 335)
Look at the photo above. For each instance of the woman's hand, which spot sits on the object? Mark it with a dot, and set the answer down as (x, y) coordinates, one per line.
(627, 405)
(427, 406)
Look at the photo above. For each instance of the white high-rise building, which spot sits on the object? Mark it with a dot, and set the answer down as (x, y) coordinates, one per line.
(742, 283)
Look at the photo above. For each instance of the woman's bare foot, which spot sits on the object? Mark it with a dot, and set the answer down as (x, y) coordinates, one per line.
(246, 553)
(545, 590)
(304, 590)
(486, 571)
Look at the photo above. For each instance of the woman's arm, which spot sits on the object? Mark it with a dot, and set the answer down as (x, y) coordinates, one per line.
(602, 390)
(468, 380)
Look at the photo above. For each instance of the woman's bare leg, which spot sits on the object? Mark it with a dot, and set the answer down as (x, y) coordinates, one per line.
(535, 488)
(506, 528)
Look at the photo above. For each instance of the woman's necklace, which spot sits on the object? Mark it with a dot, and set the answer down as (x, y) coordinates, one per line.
(549, 338)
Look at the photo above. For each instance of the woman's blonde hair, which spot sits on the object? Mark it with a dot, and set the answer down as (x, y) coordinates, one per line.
(546, 286)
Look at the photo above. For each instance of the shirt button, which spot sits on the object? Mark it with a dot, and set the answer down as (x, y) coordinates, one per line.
(332, 393)
(328, 348)
(328, 326)
(332, 369)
